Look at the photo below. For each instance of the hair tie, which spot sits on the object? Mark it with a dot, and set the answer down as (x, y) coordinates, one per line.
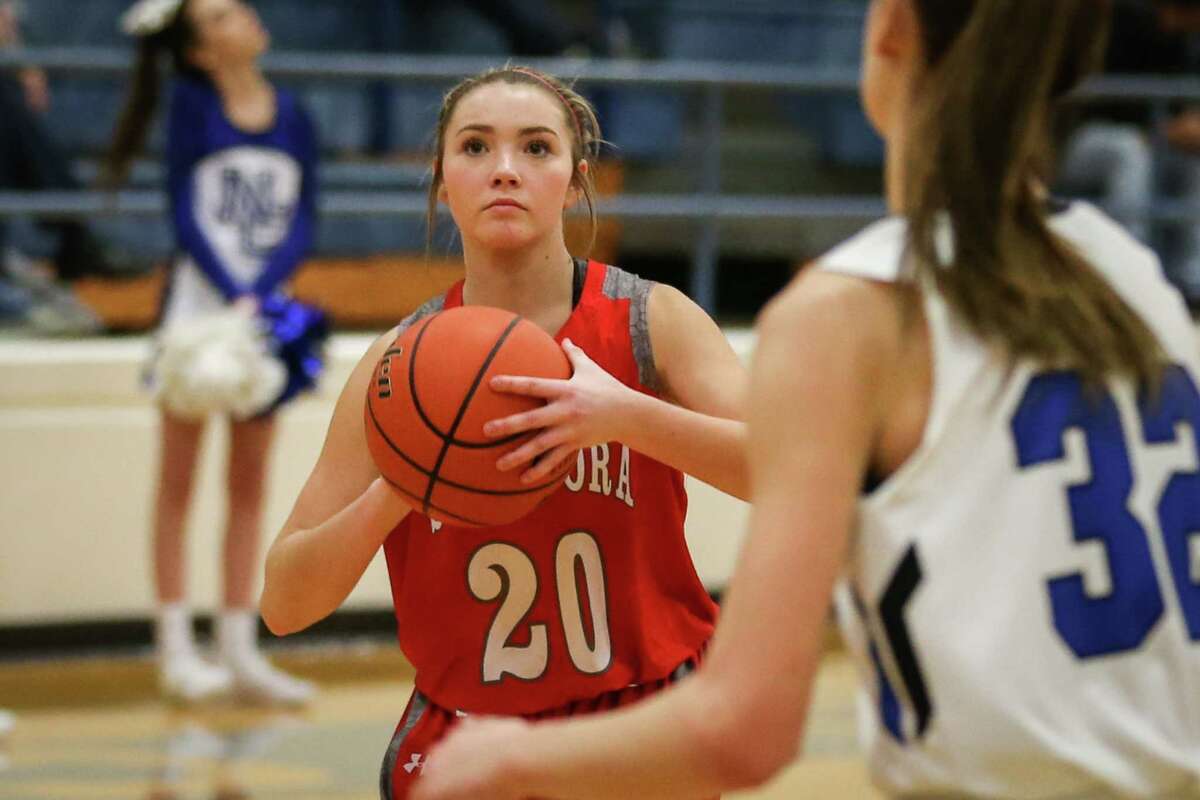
(542, 79)
(148, 17)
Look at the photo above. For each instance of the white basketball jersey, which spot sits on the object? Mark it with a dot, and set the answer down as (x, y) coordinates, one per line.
(1023, 595)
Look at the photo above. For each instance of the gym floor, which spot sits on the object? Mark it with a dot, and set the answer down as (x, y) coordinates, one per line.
(91, 728)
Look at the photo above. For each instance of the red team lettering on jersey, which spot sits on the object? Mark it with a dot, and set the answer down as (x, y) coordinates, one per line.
(592, 592)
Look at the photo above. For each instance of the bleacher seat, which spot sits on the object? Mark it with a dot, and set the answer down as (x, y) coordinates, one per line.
(95, 23)
(356, 117)
(341, 111)
(817, 33)
(412, 110)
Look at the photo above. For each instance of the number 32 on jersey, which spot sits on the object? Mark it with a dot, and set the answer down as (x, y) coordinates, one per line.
(504, 574)
(1058, 402)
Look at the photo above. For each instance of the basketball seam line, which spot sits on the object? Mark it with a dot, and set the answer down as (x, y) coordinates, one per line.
(462, 408)
(442, 512)
(445, 437)
(453, 484)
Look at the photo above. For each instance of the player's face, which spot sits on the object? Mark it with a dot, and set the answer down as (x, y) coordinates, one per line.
(228, 32)
(507, 165)
(890, 48)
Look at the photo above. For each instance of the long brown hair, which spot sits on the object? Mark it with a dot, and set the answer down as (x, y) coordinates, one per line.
(129, 136)
(580, 120)
(978, 153)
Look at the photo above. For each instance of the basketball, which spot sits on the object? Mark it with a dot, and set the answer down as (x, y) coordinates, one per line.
(427, 404)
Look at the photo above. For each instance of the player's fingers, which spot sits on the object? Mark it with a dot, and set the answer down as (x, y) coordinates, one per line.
(575, 354)
(525, 421)
(549, 464)
(527, 452)
(547, 388)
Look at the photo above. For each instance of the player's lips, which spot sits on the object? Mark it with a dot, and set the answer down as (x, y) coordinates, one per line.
(504, 202)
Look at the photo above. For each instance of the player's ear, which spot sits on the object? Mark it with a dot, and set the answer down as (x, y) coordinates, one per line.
(575, 190)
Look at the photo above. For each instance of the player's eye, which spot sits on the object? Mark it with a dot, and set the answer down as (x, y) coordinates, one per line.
(474, 146)
(538, 147)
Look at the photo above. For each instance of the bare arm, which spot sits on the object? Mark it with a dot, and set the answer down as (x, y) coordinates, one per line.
(341, 518)
(699, 432)
(815, 406)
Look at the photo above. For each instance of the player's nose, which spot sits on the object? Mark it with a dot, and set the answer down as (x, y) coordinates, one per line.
(505, 171)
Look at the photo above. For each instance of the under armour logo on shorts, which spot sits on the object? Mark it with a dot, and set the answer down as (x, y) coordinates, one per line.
(415, 763)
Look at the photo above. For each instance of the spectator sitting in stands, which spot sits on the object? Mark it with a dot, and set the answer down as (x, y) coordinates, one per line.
(1111, 151)
(30, 160)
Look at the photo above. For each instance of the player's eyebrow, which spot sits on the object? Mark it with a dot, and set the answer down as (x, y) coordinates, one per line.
(523, 132)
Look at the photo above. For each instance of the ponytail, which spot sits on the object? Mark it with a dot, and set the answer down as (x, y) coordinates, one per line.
(134, 122)
(175, 38)
(978, 153)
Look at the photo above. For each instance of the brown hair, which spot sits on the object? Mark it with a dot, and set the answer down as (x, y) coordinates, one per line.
(979, 144)
(176, 38)
(580, 118)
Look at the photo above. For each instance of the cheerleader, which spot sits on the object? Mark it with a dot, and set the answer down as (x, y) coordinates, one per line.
(240, 174)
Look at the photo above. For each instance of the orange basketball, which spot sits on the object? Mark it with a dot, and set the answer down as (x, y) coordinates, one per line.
(429, 399)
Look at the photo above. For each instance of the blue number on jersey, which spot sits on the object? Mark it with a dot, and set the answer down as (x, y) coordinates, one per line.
(1057, 402)
(899, 591)
(1179, 506)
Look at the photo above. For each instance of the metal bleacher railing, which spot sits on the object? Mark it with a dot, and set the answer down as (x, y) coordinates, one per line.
(705, 204)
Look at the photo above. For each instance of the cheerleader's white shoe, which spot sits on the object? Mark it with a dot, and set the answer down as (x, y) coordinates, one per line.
(188, 678)
(255, 680)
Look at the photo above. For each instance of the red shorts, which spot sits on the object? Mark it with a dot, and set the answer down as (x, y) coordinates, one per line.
(424, 724)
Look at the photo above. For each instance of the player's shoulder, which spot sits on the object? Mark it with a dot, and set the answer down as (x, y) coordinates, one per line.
(1102, 239)
(844, 308)
(427, 309)
(877, 252)
(380, 345)
(616, 283)
(659, 300)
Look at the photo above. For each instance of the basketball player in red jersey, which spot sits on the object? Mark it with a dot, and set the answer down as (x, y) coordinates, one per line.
(592, 600)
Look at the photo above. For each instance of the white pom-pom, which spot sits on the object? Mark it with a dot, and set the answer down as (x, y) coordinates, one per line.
(147, 17)
(216, 364)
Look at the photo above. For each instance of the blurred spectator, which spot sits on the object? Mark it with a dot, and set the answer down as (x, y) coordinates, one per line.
(1112, 152)
(31, 300)
(32, 79)
(30, 160)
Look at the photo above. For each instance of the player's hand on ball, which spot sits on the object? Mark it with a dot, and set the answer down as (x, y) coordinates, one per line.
(580, 412)
(473, 762)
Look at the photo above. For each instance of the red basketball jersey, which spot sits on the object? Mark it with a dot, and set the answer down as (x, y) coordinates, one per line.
(593, 591)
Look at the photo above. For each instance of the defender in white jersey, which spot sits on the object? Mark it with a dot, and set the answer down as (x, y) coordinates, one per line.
(979, 419)
(1023, 594)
